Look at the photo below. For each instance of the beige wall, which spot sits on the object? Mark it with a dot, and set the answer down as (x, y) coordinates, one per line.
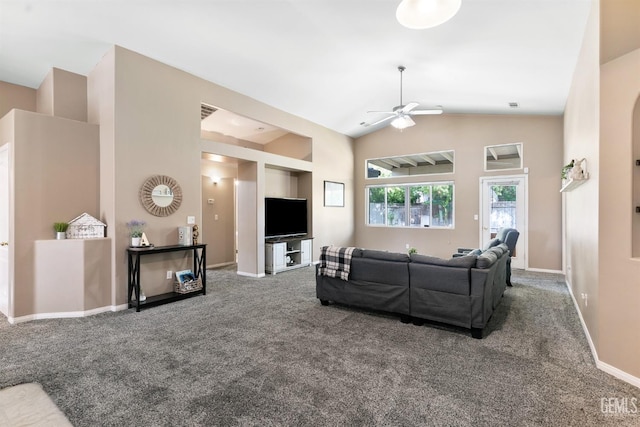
(71, 275)
(581, 221)
(620, 21)
(15, 96)
(468, 135)
(218, 220)
(599, 122)
(55, 179)
(63, 94)
(619, 276)
(333, 160)
(150, 124)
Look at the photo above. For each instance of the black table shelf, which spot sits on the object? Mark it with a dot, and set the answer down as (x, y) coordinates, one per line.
(133, 285)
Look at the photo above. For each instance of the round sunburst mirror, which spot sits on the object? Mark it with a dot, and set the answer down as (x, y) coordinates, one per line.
(161, 195)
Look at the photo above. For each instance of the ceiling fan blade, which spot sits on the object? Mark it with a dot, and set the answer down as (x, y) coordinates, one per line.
(382, 120)
(425, 112)
(382, 112)
(410, 106)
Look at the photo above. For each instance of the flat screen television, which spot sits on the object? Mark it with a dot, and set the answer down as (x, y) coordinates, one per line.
(285, 217)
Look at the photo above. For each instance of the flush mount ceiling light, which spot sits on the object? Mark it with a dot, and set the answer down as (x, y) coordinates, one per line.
(421, 14)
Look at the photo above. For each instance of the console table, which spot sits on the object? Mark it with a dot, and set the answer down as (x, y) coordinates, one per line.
(133, 286)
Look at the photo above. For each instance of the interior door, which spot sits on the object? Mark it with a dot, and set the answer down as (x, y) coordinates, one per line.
(4, 229)
(504, 205)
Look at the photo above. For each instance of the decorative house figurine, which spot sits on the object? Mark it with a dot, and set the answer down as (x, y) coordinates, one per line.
(577, 172)
(86, 227)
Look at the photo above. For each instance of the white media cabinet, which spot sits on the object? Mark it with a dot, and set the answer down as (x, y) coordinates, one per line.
(287, 254)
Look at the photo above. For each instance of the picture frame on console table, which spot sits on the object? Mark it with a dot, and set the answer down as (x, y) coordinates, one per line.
(334, 194)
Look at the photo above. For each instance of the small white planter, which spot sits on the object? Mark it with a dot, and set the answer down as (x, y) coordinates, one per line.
(61, 235)
(135, 241)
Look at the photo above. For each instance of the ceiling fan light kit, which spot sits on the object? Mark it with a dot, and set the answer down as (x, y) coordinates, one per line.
(402, 122)
(421, 14)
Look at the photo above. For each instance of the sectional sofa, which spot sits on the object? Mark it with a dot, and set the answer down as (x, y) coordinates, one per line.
(462, 291)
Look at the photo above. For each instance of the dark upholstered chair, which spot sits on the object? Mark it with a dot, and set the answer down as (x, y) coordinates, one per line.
(508, 236)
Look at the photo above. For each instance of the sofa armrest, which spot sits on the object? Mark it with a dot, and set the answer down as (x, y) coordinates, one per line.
(464, 250)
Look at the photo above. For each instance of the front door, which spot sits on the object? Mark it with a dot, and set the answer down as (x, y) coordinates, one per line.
(504, 206)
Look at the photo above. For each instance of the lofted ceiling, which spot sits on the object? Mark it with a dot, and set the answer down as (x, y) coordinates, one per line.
(328, 61)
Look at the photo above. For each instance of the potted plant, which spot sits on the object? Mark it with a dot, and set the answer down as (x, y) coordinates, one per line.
(60, 229)
(136, 228)
(566, 169)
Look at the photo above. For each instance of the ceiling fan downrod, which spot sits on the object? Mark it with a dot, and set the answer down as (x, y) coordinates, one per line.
(401, 68)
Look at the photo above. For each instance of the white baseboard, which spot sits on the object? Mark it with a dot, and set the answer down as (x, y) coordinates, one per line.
(222, 264)
(612, 370)
(544, 270)
(594, 352)
(242, 273)
(605, 367)
(66, 314)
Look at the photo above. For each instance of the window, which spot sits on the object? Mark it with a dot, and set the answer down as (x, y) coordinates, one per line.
(503, 157)
(411, 165)
(413, 205)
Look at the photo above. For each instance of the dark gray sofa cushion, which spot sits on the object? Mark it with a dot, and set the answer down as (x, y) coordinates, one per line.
(385, 256)
(376, 296)
(466, 261)
(393, 273)
(439, 278)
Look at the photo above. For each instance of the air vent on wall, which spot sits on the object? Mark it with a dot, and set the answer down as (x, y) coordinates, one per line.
(206, 111)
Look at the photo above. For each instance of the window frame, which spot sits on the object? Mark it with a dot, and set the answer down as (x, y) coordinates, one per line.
(445, 153)
(519, 148)
(407, 203)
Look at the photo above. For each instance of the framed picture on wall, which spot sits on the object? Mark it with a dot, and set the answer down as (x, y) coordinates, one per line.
(333, 193)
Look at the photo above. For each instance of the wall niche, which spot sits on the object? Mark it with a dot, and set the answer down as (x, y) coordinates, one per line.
(635, 243)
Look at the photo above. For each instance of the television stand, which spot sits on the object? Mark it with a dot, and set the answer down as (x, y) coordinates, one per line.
(287, 253)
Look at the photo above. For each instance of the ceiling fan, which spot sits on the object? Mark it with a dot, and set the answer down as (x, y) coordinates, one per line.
(401, 114)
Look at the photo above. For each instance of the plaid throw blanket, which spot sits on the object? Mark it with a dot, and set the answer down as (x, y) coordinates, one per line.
(335, 262)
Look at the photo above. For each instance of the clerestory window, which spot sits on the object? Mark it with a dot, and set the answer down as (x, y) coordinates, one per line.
(437, 162)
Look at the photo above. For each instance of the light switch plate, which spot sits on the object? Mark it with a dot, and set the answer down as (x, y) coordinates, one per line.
(191, 220)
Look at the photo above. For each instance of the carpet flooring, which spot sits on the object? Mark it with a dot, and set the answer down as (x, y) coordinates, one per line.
(264, 352)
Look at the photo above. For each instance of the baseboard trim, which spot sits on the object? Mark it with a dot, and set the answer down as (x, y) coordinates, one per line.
(620, 374)
(257, 275)
(594, 352)
(603, 366)
(66, 314)
(544, 270)
(222, 264)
